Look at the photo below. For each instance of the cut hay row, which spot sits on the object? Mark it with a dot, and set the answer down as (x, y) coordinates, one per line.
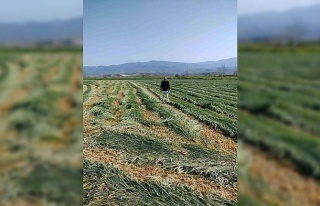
(211, 90)
(105, 184)
(201, 132)
(139, 146)
(177, 123)
(153, 125)
(221, 108)
(218, 105)
(210, 93)
(198, 92)
(132, 108)
(189, 158)
(226, 125)
(89, 115)
(102, 108)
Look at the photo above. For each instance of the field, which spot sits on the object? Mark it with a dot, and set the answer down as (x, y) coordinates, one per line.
(138, 151)
(279, 115)
(40, 130)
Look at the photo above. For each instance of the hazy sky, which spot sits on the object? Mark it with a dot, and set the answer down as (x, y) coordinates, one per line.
(120, 31)
(254, 6)
(39, 10)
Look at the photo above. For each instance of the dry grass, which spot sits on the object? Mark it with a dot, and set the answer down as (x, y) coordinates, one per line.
(27, 202)
(14, 97)
(51, 74)
(283, 177)
(166, 177)
(180, 168)
(285, 184)
(117, 104)
(220, 141)
(214, 139)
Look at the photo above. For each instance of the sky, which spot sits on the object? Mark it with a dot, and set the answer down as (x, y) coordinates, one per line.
(256, 6)
(121, 31)
(39, 10)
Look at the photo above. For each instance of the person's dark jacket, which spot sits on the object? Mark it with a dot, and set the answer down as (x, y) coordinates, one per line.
(165, 85)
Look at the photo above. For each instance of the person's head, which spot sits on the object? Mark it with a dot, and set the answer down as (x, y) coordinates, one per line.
(165, 78)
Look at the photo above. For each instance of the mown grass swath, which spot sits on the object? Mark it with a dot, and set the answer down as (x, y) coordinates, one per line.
(215, 120)
(115, 183)
(133, 109)
(219, 105)
(167, 114)
(197, 160)
(87, 92)
(104, 108)
(118, 112)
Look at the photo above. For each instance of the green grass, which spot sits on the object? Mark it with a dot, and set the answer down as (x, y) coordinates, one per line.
(208, 117)
(197, 160)
(142, 147)
(44, 180)
(174, 123)
(121, 189)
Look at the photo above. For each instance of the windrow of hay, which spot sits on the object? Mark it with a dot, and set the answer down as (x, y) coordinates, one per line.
(164, 177)
(190, 158)
(105, 184)
(161, 154)
(206, 135)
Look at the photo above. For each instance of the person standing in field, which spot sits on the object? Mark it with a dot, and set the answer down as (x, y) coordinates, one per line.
(165, 88)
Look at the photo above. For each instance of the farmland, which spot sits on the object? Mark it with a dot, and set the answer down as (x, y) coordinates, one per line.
(279, 110)
(41, 127)
(138, 151)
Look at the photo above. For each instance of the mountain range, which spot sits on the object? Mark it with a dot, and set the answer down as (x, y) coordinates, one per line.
(31, 32)
(301, 24)
(163, 67)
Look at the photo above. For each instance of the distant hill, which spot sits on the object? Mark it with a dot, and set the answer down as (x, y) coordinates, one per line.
(301, 24)
(31, 32)
(163, 67)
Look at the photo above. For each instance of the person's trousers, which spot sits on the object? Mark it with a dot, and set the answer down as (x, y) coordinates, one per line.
(165, 95)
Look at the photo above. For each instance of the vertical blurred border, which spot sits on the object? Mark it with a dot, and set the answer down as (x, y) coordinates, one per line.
(279, 110)
(41, 111)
